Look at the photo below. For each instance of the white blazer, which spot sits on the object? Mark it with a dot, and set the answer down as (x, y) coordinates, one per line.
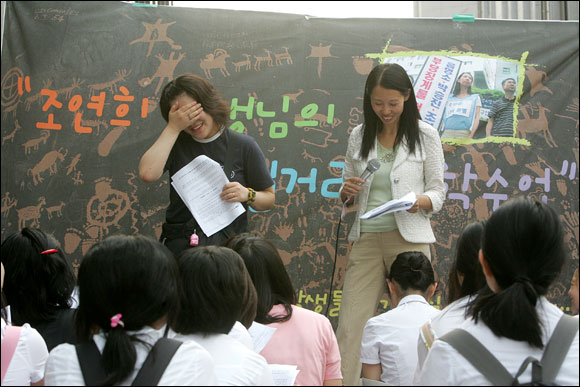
(420, 172)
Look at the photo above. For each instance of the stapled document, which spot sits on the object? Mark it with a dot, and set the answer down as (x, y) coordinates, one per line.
(402, 204)
(199, 185)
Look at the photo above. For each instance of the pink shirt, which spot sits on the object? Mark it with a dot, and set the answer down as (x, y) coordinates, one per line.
(307, 340)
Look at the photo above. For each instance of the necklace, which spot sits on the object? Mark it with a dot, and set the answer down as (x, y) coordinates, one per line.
(388, 156)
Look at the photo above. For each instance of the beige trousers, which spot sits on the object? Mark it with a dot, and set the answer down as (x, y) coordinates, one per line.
(365, 282)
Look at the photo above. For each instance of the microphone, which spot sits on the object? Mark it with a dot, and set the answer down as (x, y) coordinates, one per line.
(372, 166)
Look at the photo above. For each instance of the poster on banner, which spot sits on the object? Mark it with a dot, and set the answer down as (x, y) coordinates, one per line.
(436, 83)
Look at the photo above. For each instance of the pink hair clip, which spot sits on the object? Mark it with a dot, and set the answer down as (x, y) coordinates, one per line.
(116, 320)
(49, 251)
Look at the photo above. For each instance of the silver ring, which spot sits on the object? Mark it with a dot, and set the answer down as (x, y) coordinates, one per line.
(189, 116)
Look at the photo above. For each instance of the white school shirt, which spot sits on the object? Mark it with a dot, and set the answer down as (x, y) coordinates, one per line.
(235, 364)
(450, 318)
(191, 365)
(446, 367)
(240, 333)
(27, 364)
(390, 339)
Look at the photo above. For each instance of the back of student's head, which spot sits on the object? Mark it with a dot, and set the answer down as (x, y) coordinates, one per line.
(412, 271)
(268, 274)
(39, 279)
(466, 264)
(214, 292)
(131, 278)
(523, 246)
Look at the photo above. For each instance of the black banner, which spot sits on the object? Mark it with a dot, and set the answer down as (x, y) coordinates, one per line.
(80, 90)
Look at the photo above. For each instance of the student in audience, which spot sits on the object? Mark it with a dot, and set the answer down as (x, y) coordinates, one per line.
(128, 291)
(242, 334)
(465, 275)
(573, 293)
(215, 287)
(522, 253)
(39, 285)
(388, 349)
(465, 280)
(302, 337)
(240, 329)
(24, 354)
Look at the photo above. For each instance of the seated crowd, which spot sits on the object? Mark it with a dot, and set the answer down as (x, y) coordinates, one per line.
(204, 317)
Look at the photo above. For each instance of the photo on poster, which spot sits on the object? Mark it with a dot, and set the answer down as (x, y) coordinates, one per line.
(467, 98)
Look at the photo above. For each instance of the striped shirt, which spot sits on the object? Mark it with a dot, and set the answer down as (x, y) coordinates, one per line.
(502, 113)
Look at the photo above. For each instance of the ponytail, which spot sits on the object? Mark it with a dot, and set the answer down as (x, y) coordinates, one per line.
(523, 246)
(119, 356)
(510, 313)
(125, 284)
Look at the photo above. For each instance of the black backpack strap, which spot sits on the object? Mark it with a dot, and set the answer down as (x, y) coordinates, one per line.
(558, 346)
(479, 357)
(156, 362)
(90, 362)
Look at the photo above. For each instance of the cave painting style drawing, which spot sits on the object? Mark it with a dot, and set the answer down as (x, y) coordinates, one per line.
(48, 162)
(320, 52)
(164, 71)
(10, 136)
(7, 203)
(284, 56)
(247, 64)
(55, 210)
(363, 65)
(107, 207)
(156, 33)
(35, 142)
(267, 59)
(30, 213)
(215, 60)
(10, 91)
(112, 84)
(529, 125)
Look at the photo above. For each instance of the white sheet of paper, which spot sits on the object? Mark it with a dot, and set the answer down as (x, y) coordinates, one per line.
(402, 204)
(199, 185)
(261, 334)
(283, 375)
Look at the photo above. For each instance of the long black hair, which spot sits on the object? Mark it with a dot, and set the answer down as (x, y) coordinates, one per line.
(215, 291)
(467, 264)
(39, 278)
(134, 276)
(268, 273)
(390, 76)
(524, 248)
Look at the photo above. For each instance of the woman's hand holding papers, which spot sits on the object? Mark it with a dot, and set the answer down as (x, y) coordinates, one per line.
(423, 202)
(234, 192)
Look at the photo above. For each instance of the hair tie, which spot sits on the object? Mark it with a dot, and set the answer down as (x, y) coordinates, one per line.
(523, 280)
(116, 320)
(49, 251)
(529, 289)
